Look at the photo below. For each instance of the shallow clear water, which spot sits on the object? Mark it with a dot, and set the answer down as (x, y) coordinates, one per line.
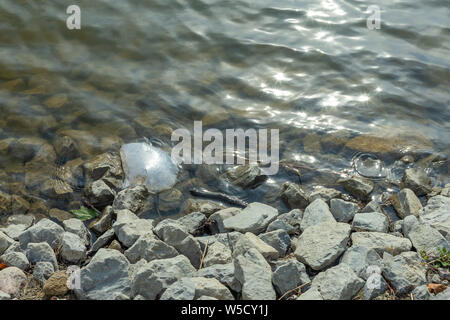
(310, 68)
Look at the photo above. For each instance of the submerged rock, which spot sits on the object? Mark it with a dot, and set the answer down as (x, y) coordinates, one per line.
(357, 186)
(293, 196)
(146, 164)
(246, 176)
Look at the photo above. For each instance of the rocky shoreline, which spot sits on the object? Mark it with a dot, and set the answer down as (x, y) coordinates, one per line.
(332, 244)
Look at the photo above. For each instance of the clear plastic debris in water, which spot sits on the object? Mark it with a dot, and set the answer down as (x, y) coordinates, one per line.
(145, 164)
(369, 166)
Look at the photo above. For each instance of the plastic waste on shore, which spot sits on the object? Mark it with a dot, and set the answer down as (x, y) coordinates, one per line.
(146, 164)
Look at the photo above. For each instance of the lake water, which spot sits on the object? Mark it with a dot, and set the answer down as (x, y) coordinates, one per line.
(311, 69)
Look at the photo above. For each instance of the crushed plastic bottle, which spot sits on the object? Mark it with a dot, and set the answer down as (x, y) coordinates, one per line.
(146, 164)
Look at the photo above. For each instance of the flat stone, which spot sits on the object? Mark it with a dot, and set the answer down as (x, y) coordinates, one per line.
(338, 283)
(278, 239)
(289, 275)
(43, 231)
(255, 275)
(406, 203)
(437, 214)
(357, 187)
(132, 199)
(370, 221)
(326, 194)
(103, 240)
(381, 242)
(343, 211)
(224, 273)
(12, 280)
(149, 248)
(417, 180)
(196, 287)
(294, 196)
(404, 272)
(152, 279)
(322, 244)
(217, 253)
(316, 213)
(105, 277)
(254, 218)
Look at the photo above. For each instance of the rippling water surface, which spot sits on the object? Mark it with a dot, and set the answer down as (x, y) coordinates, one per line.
(310, 68)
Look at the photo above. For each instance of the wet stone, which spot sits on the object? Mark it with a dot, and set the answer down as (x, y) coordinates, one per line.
(293, 196)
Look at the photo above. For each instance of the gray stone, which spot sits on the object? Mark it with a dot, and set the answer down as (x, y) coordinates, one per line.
(249, 241)
(77, 227)
(206, 207)
(360, 258)
(320, 245)
(289, 275)
(338, 283)
(421, 293)
(417, 180)
(217, 253)
(281, 225)
(326, 194)
(170, 200)
(5, 242)
(193, 221)
(293, 196)
(255, 275)
(246, 176)
(196, 287)
(128, 227)
(437, 214)
(426, 238)
(152, 279)
(15, 259)
(14, 247)
(316, 213)
(343, 211)
(41, 252)
(229, 239)
(105, 277)
(175, 235)
(103, 240)
(149, 248)
(444, 295)
(404, 272)
(406, 203)
(254, 218)
(278, 239)
(72, 248)
(43, 231)
(398, 226)
(42, 271)
(132, 199)
(372, 206)
(99, 194)
(357, 187)
(374, 288)
(103, 223)
(409, 223)
(381, 242)
(16, 225)
(370, 221)
(219, 216)
(206, 298)
(224, 273)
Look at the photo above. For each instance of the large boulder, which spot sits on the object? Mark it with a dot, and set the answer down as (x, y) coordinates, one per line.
(322, 244)
(105, 277)
(254, 218)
